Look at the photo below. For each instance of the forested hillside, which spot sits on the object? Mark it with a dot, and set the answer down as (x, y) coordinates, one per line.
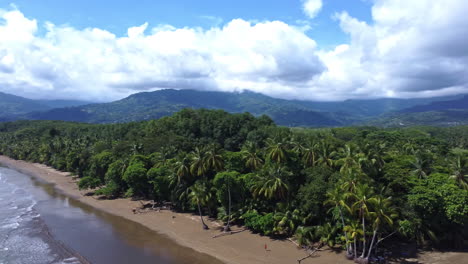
(292, 113)
(154, 105)
(363, 188)
(441, 118)
(11, 105)
(438, 113)
(460, 103)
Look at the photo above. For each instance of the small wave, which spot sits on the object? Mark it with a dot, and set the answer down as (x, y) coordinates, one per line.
(30, 207)
(71, 260)
(11, 226)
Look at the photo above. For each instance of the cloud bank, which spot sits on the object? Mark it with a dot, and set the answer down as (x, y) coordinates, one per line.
(415, 48)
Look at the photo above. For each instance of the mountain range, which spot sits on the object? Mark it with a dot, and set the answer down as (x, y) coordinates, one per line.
(452, 110)
(12, 106)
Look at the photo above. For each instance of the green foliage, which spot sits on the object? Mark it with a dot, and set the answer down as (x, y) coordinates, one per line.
(430, 195)
(312, 194)
(89, 183)
(330, 186)
(135, 177)
(262, 224)
(158, 177)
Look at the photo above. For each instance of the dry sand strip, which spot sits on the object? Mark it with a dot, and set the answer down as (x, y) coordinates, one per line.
(185, 229)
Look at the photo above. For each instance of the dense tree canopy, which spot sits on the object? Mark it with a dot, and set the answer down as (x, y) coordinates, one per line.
(347, 186)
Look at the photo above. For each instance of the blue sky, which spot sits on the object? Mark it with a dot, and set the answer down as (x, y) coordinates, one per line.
(297, 49)
(118, 15)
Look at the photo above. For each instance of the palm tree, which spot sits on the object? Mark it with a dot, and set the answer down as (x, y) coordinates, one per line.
(272, 185)
(277, 151)
(409, 148)
(325, 154)
(198, 166)
(228, 224)
(223, 181)
(286, 222)
(309, 153)
(382, 212)
(250, 156)
(327, 233)
(304, 235)
(361, 196)
(336, 198)
(213, 159)
(182, 168)
(354, 233)
(460, 171)
(421, 167)
(374, 154)
(199, 195)
(351, 159)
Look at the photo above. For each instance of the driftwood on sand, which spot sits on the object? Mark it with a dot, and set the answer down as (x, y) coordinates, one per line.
(311, 252)
(229, 233)
(151, 207)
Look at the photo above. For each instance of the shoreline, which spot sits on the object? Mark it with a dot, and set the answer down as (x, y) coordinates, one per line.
(185, 228)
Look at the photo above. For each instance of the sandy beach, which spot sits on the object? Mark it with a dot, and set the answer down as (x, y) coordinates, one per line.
(185, 229)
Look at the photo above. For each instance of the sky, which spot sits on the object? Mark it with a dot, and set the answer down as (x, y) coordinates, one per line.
(324, 50)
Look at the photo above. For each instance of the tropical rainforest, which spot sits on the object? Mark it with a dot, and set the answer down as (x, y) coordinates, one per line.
(358, 188)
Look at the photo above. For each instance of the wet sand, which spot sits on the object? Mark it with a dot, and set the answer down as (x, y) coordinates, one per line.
(185, 229)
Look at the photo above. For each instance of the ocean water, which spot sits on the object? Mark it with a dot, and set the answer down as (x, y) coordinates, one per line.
(24, 237)
(39, 225)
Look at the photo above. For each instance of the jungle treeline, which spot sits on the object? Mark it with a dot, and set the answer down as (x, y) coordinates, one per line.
(358, 188)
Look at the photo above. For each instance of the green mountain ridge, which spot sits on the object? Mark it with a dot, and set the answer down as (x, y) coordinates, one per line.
(437, 113)
(11, 105)
(154, 105)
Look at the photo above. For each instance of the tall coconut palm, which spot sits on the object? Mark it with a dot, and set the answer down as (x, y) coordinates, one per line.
(354, 232)
(337, 199)
(361, 196)
(325, 154)
(382, 213)
(459, 168)
(214, 159)
(296, 145)
(421, 167)
(309, 154)
(374, 154)
(250, 154)
(199, 195)
(351, 159)
(228, 224)
(272, 184)
(277, 151)
(182, 168)
(224, 181)
(198, 166)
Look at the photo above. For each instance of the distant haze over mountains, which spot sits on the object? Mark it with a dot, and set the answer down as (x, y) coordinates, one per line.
(451, 110)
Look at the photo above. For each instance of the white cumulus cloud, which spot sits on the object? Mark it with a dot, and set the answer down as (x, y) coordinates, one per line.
(414, 48)
(94, 63)
(312, 7)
